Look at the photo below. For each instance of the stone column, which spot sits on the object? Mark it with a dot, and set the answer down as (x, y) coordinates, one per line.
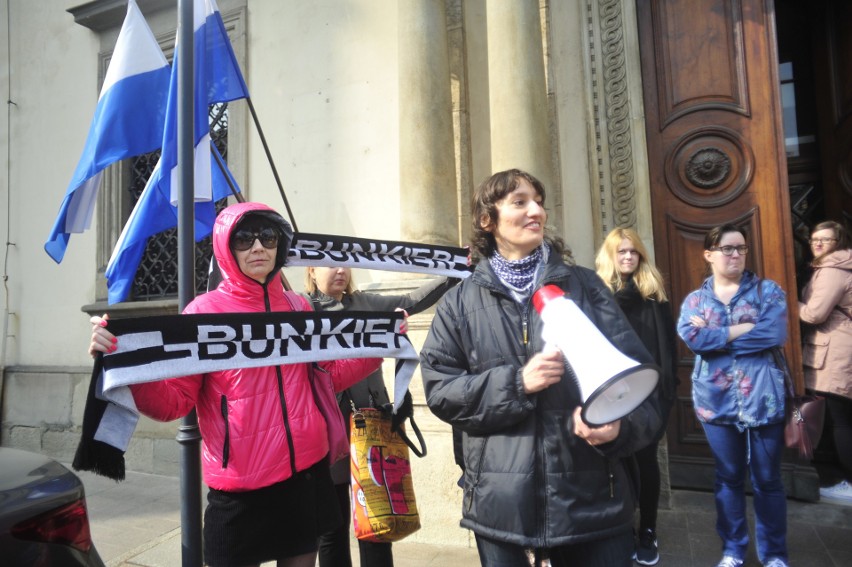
(426, 150)
(520, 134)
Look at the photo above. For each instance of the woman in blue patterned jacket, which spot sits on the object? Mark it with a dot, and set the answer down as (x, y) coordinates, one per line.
(731, 323)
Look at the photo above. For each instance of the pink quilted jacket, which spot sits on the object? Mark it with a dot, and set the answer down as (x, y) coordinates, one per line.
(258, 425)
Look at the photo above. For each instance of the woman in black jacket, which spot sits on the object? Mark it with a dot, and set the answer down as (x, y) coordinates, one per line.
(623, 265)
(331, 289)
(536, 476)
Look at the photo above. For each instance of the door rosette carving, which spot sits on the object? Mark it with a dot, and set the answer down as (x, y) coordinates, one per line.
(709, 167)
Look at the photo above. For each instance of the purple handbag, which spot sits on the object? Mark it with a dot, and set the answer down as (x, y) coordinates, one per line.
(804, 416)
(326, 400)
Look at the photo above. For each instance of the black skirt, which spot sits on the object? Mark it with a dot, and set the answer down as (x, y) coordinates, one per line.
(270, 523)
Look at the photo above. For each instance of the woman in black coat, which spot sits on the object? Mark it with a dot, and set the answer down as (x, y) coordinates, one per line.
(331, 289)
(623, 265)
(537, 478)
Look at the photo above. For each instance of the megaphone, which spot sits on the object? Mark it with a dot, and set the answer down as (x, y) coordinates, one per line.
(611, 384)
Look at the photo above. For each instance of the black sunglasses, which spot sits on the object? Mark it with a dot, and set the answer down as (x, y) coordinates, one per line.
(244, 239)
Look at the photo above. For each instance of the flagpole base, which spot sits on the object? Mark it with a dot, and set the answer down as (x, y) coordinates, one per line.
(189, 439)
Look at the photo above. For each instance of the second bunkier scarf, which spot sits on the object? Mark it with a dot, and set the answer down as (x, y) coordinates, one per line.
(331, 251)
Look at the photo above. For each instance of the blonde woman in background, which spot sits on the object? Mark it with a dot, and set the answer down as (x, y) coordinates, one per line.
(623, 264)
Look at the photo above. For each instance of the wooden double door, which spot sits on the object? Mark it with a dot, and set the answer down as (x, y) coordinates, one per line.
(718, 152)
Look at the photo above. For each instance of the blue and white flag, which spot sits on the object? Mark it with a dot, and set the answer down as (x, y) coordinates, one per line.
(128, 121)
(217, 79)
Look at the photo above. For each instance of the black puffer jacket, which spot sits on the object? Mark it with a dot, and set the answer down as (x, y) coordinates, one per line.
(529, 480)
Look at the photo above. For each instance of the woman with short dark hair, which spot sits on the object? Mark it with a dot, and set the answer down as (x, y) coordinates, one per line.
(732, 323)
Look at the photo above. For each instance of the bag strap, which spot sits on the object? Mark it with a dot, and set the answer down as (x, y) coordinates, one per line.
(781, 364)
(405, 411)
(387, 411)
(778, 354)
(419, 452)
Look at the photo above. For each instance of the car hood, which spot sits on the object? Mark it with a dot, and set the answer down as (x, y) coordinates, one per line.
(27, 477)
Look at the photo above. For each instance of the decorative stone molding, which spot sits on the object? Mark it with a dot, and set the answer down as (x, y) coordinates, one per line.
(101, 15)
(613, 131)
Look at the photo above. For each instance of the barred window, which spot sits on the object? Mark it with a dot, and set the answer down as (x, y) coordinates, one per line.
(157, 275)
(155, 285)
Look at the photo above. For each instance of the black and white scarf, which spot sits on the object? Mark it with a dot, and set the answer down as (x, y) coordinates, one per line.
(331, 251)
(157, 348)
(518, 275)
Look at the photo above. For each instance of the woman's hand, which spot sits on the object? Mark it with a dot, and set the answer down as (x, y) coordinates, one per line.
(403, 327)
(595, 435)
(697, 321)
(543, 370)
(102, 340)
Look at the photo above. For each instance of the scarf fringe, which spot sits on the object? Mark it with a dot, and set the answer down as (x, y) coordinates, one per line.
(99, 458)
(92, 455)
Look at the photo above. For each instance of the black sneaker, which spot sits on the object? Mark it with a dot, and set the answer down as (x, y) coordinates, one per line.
(646, 549)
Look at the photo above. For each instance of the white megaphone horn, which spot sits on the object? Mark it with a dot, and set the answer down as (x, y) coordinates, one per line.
(611, 384)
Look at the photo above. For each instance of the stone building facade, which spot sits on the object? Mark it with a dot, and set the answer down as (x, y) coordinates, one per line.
(381, 116)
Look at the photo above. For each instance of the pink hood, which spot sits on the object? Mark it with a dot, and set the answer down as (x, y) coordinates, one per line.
(233, 280)
(258, 425)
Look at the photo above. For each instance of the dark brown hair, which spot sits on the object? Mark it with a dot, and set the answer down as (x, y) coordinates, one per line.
(483, 207)
(714, 235)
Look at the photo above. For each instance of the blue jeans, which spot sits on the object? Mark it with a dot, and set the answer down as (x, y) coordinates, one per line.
(616, 551)
(758, 449)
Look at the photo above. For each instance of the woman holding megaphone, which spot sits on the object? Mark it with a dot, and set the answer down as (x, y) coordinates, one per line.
(539, 481)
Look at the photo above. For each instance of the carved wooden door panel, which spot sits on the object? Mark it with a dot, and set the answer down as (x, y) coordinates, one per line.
(833, 76)
(716, 155)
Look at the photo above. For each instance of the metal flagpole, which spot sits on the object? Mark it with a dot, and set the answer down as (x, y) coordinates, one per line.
(271, 163)
(215, 274)
(188, 436)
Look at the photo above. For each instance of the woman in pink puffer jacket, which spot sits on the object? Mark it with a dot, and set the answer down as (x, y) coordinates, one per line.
(264, 440)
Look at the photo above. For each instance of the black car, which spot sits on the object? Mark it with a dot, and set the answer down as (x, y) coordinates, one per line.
(43, 515)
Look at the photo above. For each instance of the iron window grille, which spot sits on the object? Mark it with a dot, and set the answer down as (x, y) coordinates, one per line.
(157, 275)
